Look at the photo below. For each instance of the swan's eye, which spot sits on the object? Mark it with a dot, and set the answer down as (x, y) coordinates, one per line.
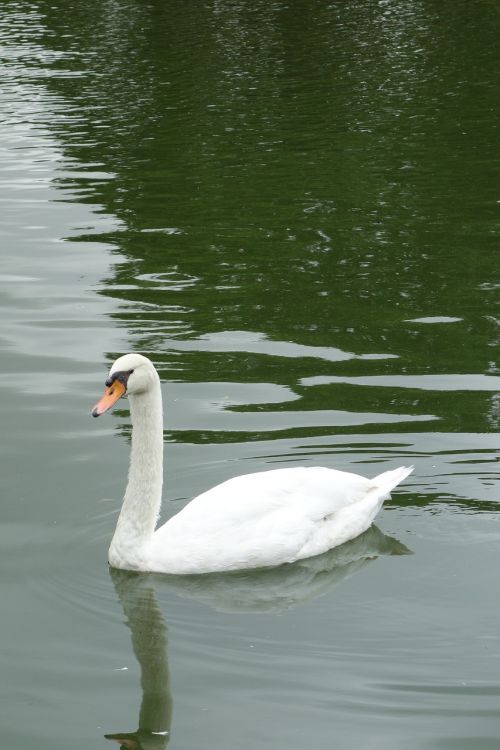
(122, 378)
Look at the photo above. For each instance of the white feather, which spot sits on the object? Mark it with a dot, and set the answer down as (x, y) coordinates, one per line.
(251, 521)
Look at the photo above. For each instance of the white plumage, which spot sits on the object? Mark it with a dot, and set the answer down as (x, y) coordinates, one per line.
(252, 521)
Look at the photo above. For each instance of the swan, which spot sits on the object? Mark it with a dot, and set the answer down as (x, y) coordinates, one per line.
(251, 521)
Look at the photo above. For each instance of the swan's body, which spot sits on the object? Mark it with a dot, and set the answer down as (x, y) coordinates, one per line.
(252, 521)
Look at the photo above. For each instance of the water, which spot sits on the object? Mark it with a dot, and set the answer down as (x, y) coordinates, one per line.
(292, 209)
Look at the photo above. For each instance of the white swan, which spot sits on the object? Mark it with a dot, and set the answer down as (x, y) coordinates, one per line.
(252, 521)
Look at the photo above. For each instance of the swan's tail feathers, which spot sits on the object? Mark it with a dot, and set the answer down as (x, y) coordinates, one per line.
(390, 479)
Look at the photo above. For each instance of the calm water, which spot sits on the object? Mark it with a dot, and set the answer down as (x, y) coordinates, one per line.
(294, 210)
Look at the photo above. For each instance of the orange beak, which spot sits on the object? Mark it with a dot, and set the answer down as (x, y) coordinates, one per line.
(111, 396)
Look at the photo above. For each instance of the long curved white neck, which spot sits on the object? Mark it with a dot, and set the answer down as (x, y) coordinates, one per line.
(142, 500)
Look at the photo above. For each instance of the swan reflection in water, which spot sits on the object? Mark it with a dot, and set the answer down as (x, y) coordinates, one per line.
(264, 590)
(137, 596)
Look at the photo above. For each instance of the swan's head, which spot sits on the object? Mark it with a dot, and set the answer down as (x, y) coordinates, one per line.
(131, 374)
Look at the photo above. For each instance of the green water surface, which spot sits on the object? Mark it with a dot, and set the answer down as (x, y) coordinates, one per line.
(294, 209)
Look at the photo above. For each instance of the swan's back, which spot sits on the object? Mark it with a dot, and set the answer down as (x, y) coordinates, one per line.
(267, 518)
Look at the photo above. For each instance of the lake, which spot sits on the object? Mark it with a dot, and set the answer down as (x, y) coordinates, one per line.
(293, 209)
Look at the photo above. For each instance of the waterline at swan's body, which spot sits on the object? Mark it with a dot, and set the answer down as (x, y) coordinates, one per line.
(251, 521)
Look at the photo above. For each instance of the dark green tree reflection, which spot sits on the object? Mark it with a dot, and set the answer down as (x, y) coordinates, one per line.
(318, 173)
(315, 173)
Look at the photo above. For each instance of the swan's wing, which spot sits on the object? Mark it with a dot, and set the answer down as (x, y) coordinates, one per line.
(256, 519)
(311, 491)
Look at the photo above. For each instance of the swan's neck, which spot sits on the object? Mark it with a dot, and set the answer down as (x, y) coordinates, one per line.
(142, 500)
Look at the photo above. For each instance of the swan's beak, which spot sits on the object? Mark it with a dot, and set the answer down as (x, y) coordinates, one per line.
(111, 395)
